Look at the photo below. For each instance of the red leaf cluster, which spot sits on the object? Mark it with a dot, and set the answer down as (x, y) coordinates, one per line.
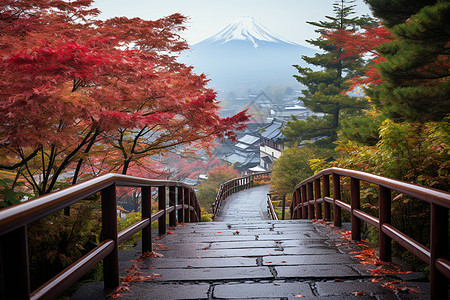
(76, 88)
(363, 44)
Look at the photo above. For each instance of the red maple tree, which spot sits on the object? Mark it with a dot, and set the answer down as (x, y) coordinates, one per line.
(75, 88)
(363, 43)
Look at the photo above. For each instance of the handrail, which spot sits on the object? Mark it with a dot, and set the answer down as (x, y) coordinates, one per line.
(270, 210)
(183, 205)
(236, 185)
(311, 193)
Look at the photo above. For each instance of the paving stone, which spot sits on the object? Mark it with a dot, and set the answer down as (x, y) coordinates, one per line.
(90, 291)
(315, 271)
(309, 250)
(414, 276)
(422, 287)
(210, 274)
(168, 291)
(247, 252)
(285, 260)
(262, 290)
(243, 244)
(349, 288)
(171, 263)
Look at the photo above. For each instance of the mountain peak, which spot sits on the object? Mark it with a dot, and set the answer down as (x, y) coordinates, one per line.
(246, 28)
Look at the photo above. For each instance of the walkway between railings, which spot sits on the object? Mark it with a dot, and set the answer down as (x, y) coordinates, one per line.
(247, 205)
(259, 259)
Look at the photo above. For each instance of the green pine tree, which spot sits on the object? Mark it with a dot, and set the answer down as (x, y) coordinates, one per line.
(415, 75)
(394, 12)
(327, 82)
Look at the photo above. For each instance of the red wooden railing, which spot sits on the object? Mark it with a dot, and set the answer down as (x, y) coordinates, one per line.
(313, 194)
(235, 185)
(183, 205)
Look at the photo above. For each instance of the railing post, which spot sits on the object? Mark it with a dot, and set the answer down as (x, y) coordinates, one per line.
(316, 197)
(304, 203)
(186, 202)
(310, 197)
(284, 207)
(326, 193)
(199, 210)
(109, 228)
(355, 204)
(162, 206)
(384, 215)
(146, 209)
(337, 196)
(14, 261)
(192, 203)
(438, 249)
(172, 214)
(180, 213)
(296, 214)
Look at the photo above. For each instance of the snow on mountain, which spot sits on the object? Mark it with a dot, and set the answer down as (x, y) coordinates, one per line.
(245, 55)
(247, 29)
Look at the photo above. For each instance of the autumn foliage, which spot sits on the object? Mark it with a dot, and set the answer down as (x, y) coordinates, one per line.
(80, 95)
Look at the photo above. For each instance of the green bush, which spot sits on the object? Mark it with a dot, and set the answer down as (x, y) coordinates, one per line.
(58, 240)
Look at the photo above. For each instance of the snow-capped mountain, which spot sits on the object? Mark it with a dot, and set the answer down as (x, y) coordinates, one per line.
(245, 55)
(247, 29)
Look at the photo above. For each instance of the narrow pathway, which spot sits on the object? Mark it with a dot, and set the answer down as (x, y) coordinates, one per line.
(247, 257)
(249, 204)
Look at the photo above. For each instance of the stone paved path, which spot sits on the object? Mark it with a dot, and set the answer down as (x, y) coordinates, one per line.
(252, 258)
(249, 204)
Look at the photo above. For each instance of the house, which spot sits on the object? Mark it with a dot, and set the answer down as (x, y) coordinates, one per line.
(245, 154)
(300, 112)
(272, 144)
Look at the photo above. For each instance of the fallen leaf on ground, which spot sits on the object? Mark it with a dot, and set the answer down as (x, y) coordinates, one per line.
(358, 293)
(409, 289)
(299, 296)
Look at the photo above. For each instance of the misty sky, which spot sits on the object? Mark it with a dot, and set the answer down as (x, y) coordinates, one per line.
(286, 18)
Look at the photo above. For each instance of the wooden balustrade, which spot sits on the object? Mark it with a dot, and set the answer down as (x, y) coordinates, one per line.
(14, 220)
(235, 185)
(307, 204)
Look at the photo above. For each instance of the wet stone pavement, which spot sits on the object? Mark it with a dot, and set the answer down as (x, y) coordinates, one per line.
(253, 258)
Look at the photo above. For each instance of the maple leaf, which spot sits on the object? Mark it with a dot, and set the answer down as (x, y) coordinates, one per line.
(358, 293)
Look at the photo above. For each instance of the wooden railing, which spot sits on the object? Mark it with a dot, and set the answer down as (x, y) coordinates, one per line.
(312, 196)
(270, 210)
(183, 205)
(235, 185)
